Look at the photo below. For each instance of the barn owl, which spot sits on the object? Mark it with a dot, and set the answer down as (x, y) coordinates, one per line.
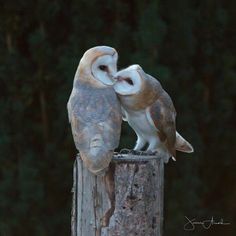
(149, 111)
(94, 110)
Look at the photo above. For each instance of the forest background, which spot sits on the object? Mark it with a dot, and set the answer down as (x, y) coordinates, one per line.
(188, 45)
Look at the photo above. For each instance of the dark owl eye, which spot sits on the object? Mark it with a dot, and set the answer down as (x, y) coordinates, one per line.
(103, 67)
(129, 81)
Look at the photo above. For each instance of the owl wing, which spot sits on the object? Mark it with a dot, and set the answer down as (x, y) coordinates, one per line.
(163, 116)
(95, 118)
(123, 113)
(74, 120)
(111, 129)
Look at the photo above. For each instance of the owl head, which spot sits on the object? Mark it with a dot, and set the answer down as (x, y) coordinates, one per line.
(135, 88)
(98, 66)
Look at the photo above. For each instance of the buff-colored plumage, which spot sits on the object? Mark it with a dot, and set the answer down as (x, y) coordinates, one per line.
(150, 111)
(94, 112)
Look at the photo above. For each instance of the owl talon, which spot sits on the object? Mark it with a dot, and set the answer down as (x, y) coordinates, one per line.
(138, 152)
(151, 153)
(134, 152)
(125, 151)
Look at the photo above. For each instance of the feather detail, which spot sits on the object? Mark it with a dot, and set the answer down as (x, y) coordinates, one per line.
(183, 145)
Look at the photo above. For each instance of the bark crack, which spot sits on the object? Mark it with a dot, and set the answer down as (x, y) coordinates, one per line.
(110, 187)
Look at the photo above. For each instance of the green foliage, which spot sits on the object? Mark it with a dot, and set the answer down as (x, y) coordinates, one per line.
(188, 45)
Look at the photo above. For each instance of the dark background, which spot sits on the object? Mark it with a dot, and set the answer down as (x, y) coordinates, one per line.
(188, 45)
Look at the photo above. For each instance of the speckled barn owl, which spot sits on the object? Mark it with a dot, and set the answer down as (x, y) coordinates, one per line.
(94, 110)
(149, 111)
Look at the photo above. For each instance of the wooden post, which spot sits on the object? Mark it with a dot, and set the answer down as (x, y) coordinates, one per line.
(127, 201)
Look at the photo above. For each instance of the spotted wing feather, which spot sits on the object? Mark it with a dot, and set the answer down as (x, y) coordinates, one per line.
(94, 113)
(163, 115)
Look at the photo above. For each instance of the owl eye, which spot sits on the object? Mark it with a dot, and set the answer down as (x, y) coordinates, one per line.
(129, 81)
(103, 68)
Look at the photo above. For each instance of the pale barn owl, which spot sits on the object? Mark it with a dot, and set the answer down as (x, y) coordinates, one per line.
(94, 110)
(149, 111)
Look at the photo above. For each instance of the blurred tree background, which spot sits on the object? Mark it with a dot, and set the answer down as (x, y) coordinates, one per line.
(188, 45)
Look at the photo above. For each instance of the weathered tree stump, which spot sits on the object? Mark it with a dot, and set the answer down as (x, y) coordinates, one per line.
(127, 201)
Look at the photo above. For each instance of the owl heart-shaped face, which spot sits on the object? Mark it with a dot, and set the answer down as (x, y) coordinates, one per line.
(128, 81)
(104, 68)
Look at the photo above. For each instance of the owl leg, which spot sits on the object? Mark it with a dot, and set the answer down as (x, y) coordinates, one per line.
(153, 144)
(140, 143)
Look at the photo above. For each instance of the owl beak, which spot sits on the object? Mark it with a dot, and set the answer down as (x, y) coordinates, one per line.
(118, 78)
(112, 78)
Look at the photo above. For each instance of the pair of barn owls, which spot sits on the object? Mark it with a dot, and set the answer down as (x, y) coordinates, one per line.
(95, 112)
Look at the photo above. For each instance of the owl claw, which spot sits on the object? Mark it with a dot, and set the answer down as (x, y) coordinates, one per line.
(130, 151)
(125, 151)
(151, 153)
(144, 153)
(138, 153)
(135, 152)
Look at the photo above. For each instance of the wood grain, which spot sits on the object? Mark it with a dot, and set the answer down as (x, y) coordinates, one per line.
(127, 201)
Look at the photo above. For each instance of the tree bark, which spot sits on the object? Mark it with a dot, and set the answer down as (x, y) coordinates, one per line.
(127, 201)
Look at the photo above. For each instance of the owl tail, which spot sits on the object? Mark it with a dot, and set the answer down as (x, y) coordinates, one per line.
(97, 161)
(97, 158)
(182, 145)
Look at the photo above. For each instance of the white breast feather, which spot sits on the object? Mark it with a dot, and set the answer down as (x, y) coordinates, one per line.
(139, 121)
